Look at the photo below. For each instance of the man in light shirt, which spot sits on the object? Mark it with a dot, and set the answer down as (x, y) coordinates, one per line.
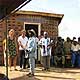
(22, 41)
(31, 50)
(45, 51)
(74, 49)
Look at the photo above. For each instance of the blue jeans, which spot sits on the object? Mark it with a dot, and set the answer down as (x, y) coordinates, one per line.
(74, 57)
(52, 60)
(78, 59)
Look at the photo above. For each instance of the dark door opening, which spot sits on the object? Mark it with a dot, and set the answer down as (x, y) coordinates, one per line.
(31, 26)
(35, 27)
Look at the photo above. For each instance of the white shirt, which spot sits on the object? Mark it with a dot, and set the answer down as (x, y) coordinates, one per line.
(47, 49)
(23, 41)
(75, 48)
(31, 46)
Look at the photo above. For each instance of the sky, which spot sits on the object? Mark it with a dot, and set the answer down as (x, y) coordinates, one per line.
(70, 24)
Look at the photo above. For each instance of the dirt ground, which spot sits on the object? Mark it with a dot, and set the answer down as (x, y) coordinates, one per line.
(53, 74)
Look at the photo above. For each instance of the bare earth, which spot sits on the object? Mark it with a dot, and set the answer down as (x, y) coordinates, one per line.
(53, 74)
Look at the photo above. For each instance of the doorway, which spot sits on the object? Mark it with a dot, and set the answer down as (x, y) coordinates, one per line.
(37, 28)
(34, 26)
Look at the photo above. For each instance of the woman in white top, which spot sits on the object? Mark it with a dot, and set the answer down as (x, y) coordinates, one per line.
(22, 41)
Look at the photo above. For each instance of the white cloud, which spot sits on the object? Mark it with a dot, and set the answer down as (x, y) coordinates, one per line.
(69, 28)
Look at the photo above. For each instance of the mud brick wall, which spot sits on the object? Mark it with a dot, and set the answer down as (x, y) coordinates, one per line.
(48, 24)
(16, 22)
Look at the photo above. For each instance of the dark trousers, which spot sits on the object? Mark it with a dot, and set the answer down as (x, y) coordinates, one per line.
(22, 59)
(52, 60)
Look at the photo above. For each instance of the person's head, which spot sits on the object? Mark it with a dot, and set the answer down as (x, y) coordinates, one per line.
(68, 39)
(59, 38)
(23, 32)
(75, 43)
(11, 32)
(45, 34)
(78, 39)
(32, 33)
(74, 38)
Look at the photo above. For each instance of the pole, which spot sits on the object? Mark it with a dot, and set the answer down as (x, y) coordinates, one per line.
(6, 18)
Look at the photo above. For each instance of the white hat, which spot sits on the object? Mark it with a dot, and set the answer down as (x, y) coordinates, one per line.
(32, 31)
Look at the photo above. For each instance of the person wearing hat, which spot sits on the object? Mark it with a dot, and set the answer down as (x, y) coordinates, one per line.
(22, 42)
(45, 51)
(31, 49)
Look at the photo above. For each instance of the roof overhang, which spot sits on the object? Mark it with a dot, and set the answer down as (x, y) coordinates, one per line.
(58, 16)
(7, 6)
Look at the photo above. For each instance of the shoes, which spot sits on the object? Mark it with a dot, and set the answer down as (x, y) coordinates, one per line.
(21, 69)
(10, 70)
(48, 69)
(15, 69)
(28, 66)
(72, 66)
(24, 68)
(30, 75)
(44, 69)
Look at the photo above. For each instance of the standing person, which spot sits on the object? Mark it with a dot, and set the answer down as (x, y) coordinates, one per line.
(36, 45)
(45, 51)
(67, 46)
(22, 42)
(74, 50)
(39, 48)
(31, 49)
(52, 52)
(67, 50)
(12, 48)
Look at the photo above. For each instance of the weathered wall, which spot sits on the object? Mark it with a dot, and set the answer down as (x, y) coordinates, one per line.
(16, 22)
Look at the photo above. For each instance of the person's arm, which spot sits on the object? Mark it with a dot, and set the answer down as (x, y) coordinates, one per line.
(16, 46)
(4, 45)
(19, 43)
(26, 44)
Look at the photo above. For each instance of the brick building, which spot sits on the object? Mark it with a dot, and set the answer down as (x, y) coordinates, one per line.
(39, 21)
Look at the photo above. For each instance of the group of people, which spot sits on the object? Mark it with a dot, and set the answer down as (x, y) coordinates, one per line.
(26, 48)
(66, 52)
(51, 49)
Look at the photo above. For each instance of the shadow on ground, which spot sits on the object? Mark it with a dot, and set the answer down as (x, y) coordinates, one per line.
(54, 78)
(66, 70)
(25, 77)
